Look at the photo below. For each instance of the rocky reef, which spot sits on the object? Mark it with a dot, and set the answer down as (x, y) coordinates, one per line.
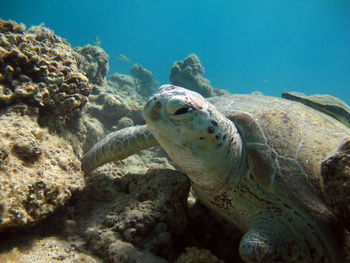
(38, 170)
(136, 87)
(41, 87)
(146, 217)
(140, 209)
(94, 62)
(40, 69)
(55, 104)
(145, 80)
(188, 73)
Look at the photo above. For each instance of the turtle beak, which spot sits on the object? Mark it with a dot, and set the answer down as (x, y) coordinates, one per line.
(151, 111)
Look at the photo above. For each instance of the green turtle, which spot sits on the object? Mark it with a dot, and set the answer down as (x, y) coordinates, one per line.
(328, 104)
(253, 160)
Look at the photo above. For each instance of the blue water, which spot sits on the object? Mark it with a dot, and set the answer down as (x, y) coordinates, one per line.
(245, 45)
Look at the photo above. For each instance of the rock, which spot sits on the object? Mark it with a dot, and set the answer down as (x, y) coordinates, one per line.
(149, 215)
(136, 88)
(28, 149)
(126, 87)
(123, 83)
(94, 62)
(38, 170)
(83, 133)
(336, 175)
(46, 249)
(12, 256)
(188, 74)
(114, 250)
(109, 108)
(147, 84)
(40, 69)
(196, 255)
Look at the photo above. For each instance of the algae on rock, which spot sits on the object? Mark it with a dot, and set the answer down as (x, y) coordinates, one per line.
(94, 62)
(188, 73)
(40, 69)
(40, 172)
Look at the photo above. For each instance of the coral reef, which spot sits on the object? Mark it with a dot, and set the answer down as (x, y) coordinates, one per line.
(109, 108)
(40, 69)
(40, 171)
(106, 111)
(149, 215)
(123, 83)
(83, 133)
(145, 80)
(188, 73)
(336, 176)
(136, 88)
(119, 251)
(94, 62)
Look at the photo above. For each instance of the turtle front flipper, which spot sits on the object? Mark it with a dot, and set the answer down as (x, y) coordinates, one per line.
(270, 240)
(118, 145)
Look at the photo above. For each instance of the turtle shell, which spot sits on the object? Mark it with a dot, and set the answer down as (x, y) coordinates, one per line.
(328, 104)
(290, 141)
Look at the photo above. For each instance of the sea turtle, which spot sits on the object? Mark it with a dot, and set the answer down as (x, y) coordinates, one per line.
(254, 160)
(328, 104)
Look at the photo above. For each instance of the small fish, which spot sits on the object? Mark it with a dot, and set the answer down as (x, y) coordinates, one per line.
(97, 41)
(257, 93)
(122, 57)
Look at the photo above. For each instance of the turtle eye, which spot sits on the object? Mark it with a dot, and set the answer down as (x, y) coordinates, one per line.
(183, 110)
(182, 113)
(179, 108)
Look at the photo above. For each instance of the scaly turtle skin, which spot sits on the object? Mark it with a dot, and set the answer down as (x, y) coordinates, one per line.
(328, 104)
(254, 160)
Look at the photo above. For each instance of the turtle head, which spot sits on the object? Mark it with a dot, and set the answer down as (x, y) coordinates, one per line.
(189, 128)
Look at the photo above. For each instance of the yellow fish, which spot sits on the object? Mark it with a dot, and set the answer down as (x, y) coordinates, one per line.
(97, 41)
(122, 57)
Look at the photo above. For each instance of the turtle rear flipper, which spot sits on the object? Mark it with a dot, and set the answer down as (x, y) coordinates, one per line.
(267, 241)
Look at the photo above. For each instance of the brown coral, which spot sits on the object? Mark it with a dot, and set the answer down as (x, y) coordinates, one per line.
(188, 73)
(38, 172)
(145, 80)
(94, 62)
(149, 212)
(39, 68)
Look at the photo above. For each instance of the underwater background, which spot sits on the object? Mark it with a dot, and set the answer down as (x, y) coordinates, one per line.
(269, 46)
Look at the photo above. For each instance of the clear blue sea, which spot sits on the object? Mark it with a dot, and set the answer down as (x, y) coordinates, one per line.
(245, 45)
